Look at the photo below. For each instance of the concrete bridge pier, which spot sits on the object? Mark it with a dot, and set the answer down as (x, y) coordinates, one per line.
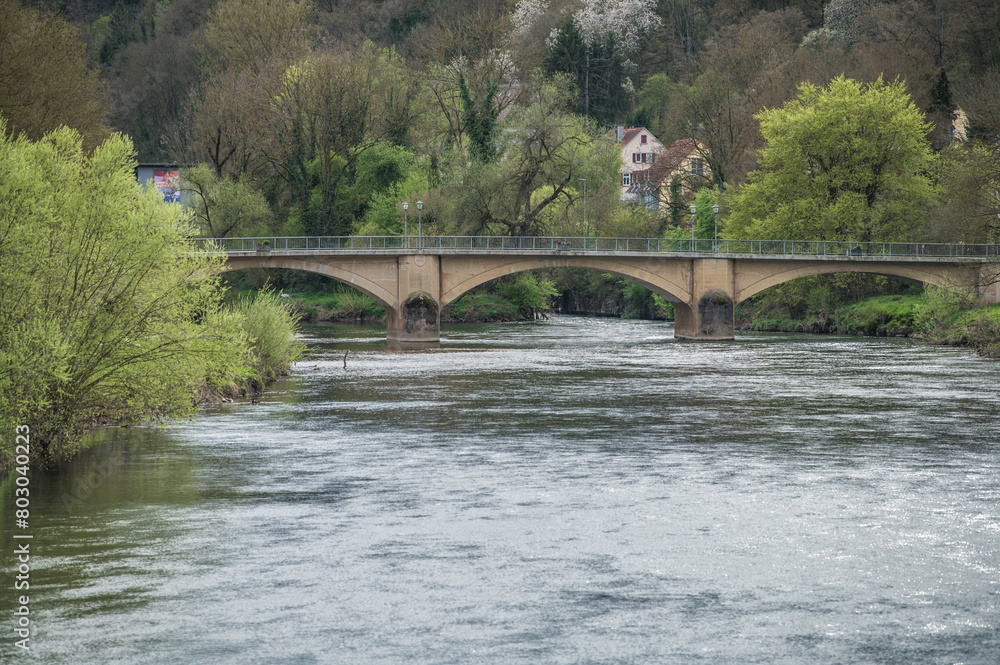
(709, 315)
(417, 317)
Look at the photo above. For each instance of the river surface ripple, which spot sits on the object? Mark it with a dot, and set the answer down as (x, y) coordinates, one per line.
(571, 491)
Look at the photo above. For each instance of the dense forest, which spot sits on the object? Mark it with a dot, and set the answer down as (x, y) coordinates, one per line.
(320, 116)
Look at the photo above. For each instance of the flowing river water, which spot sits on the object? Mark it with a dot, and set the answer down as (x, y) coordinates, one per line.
(572, 491)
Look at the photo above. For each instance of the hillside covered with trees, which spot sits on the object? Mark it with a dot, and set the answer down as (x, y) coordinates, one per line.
(321, 116)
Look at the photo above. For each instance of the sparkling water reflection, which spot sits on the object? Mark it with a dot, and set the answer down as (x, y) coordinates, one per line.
(573, 491)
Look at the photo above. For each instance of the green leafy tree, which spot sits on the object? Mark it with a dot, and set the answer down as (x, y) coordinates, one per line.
(846, 162)
(332, 108)
(480, 116)
(106, 314)
(654, 97)
(226, 207)
(387, 175)
(547, 150)
(529, 294)
(704, 218)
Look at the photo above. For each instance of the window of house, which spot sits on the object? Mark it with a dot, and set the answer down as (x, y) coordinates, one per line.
(697, 166)
(635, 157)
(626, 178)
(642, 139)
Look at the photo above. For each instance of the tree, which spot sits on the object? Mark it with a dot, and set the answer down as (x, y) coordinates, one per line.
(331, 108)
(654, 97)
(227, 119)
(480, 118)
(704, 217)
(149, 85)
(546, 150)
(744, 70)
(942, 111)
(106, 313)
(597, 69)
(226, 207)
(386, 175)
(980, 98)
(969, 207)
(627, 20)
(594, 47)
(44, 79)
(443, 119)
(244, 34)
(846, 162)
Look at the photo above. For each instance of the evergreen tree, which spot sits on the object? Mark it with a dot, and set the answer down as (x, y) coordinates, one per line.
(597, 69)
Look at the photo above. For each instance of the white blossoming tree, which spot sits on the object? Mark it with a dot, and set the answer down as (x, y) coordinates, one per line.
(593, 46)
(627, 20)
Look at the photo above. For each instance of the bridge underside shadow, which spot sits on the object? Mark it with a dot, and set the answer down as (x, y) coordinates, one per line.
(414, 288)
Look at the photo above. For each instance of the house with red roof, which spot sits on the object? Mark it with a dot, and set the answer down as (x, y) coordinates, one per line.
(639, 150)
(655, 176)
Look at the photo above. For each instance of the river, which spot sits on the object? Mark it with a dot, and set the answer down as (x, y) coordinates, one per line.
(572, 491)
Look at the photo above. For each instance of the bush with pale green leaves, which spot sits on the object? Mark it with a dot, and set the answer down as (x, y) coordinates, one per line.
(107, 314)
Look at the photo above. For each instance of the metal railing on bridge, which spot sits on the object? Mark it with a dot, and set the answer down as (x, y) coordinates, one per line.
(605, 245)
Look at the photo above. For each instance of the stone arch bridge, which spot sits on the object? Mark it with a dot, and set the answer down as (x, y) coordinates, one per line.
(414, 278)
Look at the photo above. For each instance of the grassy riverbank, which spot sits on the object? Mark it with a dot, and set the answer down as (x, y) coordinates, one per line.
(934, 317)
(269, 325)
(245, 346)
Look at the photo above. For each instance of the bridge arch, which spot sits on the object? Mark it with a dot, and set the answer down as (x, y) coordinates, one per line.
(753, 282)
(670, 284)
(342, 272)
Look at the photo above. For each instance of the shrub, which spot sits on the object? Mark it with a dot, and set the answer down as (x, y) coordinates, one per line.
(528, 294)
(270, 326)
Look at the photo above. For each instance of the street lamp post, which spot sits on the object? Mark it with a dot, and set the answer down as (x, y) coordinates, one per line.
(693, 210)
(420, 232)
(406, 234)
(586, 229)
(715, 209)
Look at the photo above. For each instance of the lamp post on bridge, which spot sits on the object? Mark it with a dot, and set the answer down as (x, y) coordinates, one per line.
(693, 210)
(406, 235)
(420, 232)
(586, 229)
(715, 245)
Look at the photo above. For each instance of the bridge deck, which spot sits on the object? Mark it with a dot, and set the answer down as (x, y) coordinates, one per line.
(645, 247)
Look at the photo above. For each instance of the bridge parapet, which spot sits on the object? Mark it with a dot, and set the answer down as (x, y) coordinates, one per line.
(398, 245)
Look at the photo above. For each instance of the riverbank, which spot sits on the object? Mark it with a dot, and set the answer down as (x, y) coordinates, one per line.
(242, 347)
(934, 318)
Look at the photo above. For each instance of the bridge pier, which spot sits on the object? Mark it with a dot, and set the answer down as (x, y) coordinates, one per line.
(988, 285)
(417, 316)
(709, 315)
